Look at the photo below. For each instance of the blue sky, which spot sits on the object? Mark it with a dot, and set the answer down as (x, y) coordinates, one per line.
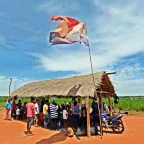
(115, 30)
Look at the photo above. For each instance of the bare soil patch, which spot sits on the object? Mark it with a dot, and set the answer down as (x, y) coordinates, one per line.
(12, 132)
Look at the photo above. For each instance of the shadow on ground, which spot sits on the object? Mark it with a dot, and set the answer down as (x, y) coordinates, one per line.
(54, 139)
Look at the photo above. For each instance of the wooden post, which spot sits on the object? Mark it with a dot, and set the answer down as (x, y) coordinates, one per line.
(101, 129)
(88, 116)
(110, 105)
(10, 86)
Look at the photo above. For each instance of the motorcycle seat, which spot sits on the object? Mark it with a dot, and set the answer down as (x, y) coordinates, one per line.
(111, 117)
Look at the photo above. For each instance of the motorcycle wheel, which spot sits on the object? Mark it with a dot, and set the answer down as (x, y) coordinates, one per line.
(118, 127)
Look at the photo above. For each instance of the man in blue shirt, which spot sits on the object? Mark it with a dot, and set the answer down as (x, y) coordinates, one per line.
(8, 109)
(76, 114)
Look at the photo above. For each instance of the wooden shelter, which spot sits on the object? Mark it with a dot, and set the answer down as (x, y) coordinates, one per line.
(77, 86)
(72, 86)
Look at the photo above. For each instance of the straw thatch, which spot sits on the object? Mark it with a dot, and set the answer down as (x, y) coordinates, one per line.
(72, 86)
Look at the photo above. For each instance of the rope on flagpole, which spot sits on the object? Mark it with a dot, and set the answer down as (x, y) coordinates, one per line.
(95, 89)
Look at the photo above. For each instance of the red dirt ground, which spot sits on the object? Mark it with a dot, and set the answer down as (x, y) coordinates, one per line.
(12, 132)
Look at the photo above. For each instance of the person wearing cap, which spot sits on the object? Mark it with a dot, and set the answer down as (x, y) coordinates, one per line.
(53, 114)
(8, 107)
(83, 114)
(30, 115)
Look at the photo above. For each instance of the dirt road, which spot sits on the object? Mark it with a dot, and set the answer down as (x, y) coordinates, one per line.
(12, 132)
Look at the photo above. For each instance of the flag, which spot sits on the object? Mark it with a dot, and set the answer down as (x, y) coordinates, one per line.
(68, 31)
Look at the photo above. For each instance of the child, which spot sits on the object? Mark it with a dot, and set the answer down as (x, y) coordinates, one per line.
(65, 116)
(17, 112)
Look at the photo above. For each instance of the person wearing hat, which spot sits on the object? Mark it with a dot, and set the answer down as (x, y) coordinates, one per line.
(83, 114)
(70, 132)
(53, 114)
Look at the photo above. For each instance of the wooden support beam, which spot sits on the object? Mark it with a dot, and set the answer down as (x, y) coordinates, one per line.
(110, 105)
(111, 73)
(88, 116)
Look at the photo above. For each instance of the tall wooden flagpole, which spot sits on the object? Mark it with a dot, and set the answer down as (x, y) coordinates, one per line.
(95, 89)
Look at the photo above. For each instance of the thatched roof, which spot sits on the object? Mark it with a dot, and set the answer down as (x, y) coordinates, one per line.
(72, 86)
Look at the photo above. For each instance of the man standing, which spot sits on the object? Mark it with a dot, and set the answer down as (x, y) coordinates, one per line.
(95, 114)
(37, 118)
(53, 114)
(45, 114)
(8, 107)
(30, 115)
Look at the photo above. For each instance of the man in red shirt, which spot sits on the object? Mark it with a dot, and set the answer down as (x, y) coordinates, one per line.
(30, 115)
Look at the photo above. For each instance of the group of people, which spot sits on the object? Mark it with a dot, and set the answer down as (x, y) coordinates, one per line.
(15, 110)
(55, 116)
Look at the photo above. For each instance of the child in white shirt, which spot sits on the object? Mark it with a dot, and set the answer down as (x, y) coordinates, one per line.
(65, 116)
(17, 112)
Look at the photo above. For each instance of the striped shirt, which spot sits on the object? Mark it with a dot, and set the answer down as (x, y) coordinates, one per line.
(53, 111)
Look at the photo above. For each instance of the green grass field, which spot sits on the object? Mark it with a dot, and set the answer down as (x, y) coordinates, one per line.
(125, 103)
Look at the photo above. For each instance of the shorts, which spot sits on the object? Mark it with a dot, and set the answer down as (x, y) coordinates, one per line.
(30, 121)
(8, 111)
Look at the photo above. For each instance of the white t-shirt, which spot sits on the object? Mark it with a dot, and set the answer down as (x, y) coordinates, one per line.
(65, 114)
(36, 107)
(18, 111)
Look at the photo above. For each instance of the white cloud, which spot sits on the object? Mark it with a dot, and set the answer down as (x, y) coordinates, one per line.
(16, 83)
(4, 42)
(117, 33)
(58, 6)
(129, 79)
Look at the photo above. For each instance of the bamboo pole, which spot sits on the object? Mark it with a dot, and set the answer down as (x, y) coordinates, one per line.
(88, 116)
(91, 66)
(95, 88)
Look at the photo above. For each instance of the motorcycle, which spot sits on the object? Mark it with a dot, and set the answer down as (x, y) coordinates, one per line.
(113, 122)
